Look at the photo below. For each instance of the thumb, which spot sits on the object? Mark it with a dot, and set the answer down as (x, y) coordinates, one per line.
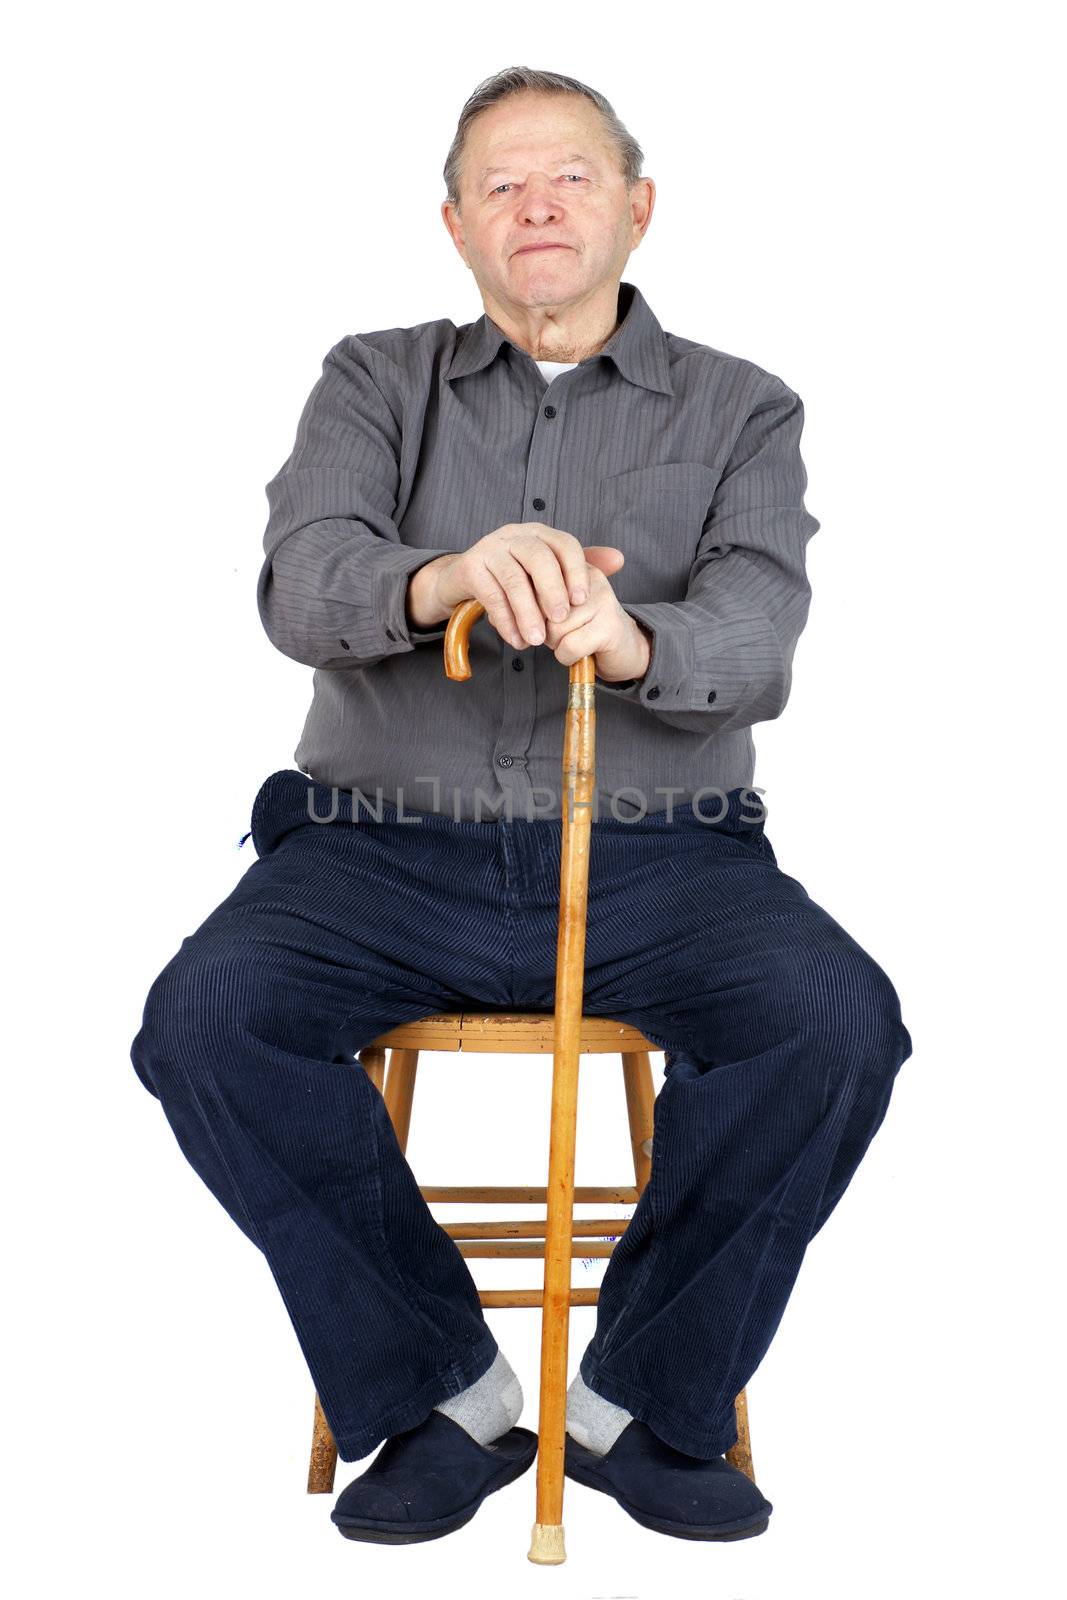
(607, 557)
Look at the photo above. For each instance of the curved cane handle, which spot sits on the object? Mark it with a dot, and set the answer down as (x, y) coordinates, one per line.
(457, 637)
(457, 646)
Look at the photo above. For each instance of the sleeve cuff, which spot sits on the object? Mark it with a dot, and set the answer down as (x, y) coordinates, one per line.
(669, 673)
(392, 575)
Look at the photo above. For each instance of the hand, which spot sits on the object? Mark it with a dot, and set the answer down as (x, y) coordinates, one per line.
(621, 648)
(527, 575)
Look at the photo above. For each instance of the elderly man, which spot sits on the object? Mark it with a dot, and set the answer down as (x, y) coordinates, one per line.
(603, 488)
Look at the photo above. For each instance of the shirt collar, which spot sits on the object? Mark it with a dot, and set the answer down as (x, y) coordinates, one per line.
(638, 346)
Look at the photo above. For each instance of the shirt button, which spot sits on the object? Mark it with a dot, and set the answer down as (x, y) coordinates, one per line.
(550, 411)
(653, 693)
(504, 761)
(711, 697)
(539, 505)
(518, 663)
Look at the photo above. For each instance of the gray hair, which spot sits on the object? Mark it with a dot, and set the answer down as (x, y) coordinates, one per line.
(514, 80)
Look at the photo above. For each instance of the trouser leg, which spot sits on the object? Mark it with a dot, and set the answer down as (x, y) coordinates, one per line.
(249, 1039)
(783, 1039)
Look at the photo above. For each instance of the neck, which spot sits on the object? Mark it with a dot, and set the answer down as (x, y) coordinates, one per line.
(570, 331)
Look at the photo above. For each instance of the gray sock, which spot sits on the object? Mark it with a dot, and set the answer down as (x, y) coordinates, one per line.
(593, 1421)
(489, 1406)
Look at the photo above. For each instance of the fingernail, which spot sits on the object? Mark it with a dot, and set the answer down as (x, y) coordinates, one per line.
(536, 636)
(579, 597)
(559, 613)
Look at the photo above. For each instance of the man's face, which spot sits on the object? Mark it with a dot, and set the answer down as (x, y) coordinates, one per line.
(539, 170)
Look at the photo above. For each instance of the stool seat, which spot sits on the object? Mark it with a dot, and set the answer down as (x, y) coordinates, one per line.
(510, 1032)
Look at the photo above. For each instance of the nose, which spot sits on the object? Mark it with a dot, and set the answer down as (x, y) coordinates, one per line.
(540, 203)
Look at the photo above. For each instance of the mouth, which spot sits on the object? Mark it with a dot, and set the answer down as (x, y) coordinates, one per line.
(528, 249)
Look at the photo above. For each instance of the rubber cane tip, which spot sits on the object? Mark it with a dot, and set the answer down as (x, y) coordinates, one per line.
(546, 1545)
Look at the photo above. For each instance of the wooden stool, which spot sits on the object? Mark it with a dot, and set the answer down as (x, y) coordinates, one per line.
(517, 1033)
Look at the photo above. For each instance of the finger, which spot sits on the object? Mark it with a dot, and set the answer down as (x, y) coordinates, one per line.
(542, 557)
(513, 577)
(584, 641)
(606, 558)
(498, 609)
(577, 616)
(571, 557)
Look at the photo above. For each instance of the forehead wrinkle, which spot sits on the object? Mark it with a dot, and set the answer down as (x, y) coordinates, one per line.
(491, 172)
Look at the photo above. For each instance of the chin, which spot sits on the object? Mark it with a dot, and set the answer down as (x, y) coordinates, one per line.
(549, 267)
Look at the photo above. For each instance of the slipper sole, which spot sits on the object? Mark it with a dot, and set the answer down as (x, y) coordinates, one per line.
(580, 1465)
(520, 1444)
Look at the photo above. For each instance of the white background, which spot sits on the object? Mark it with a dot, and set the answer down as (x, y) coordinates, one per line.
(862, 200)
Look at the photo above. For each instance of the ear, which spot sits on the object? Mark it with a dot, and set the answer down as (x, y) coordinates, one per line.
(451, 218)
(642, 204)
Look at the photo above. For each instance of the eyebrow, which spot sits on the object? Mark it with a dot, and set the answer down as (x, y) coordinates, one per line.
(491, 172)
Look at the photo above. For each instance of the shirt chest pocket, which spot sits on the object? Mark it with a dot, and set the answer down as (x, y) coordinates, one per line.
(655, 516)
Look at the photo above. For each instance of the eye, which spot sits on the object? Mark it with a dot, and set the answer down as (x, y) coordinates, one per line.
(502, 186)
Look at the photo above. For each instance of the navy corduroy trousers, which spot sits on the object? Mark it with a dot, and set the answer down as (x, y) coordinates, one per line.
(782, 1039)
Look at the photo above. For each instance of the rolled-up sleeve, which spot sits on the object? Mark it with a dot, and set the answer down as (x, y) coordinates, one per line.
(722, 658)
(332, 590)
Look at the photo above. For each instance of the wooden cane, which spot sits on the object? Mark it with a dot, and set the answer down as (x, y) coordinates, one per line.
(546, 1544)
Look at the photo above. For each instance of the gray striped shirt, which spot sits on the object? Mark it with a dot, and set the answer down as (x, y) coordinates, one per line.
(418, 441)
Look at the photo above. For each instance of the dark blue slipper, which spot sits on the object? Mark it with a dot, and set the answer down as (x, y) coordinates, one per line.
(428, 1481)
(668, 1491)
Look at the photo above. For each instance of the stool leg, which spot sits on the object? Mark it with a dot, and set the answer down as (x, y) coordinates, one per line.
(323, 1454)
(323, 1464)
(640, 1101)
(739, 1455)
(400, 1091)
(372, 1059)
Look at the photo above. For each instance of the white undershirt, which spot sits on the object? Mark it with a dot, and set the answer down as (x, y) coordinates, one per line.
(552, 369)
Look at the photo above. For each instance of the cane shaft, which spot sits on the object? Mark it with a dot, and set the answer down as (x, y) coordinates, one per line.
(577, 796)
(578, 773)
